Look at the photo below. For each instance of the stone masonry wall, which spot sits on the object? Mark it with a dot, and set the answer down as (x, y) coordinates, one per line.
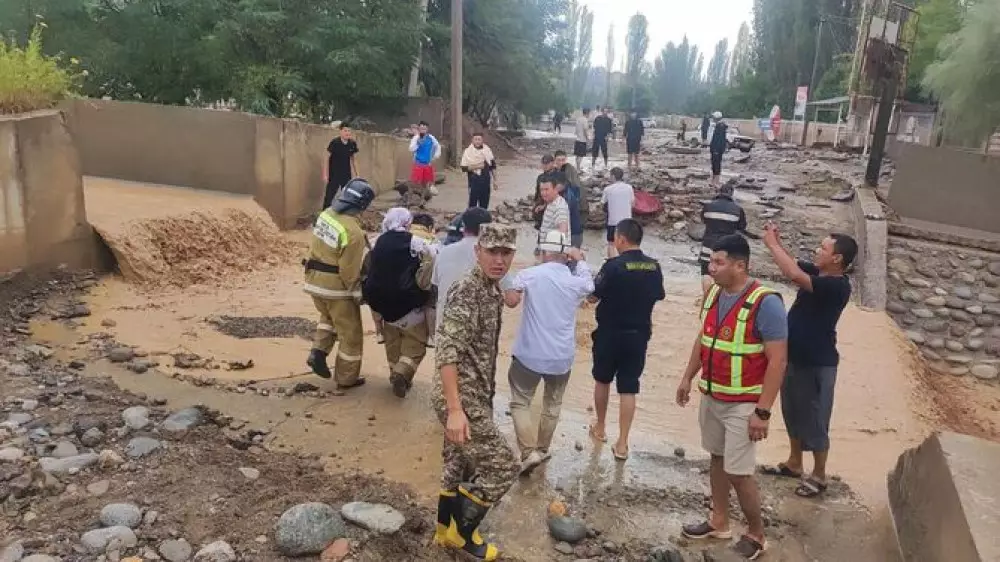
(947, 300)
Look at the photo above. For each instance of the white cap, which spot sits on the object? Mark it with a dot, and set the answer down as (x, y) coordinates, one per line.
(554, 241)
(717, 115)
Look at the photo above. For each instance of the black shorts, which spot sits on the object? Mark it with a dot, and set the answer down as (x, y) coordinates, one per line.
(611, 233)
(716, 163)
(579, 149)
(620, 356)
(600, 146)
(633, 146)
(807, 405)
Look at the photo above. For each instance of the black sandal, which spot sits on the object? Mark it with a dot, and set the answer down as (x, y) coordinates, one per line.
(781, 470)
(749, 548)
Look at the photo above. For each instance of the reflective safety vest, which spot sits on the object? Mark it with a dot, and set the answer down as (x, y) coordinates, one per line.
(732, 356)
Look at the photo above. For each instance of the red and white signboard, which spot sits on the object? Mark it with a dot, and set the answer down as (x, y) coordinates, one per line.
(801, 98)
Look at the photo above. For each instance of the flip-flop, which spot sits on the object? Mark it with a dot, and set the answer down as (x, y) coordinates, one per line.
(781, 470)
(596, 437)
(810, 488)
(619, 456)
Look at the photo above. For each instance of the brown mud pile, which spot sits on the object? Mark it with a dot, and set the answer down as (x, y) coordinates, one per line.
(199, 247)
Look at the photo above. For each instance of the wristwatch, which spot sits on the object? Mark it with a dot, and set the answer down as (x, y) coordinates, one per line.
(763, 414)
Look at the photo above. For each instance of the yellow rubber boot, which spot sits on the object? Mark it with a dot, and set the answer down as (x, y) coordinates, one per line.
(446, 505)
(468, 511)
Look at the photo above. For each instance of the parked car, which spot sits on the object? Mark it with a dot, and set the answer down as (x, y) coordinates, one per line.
(648, 122)
(735, 139)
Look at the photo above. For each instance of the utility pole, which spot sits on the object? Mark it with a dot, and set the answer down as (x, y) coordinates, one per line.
(885, 108)
(812, 82)
(456, 81)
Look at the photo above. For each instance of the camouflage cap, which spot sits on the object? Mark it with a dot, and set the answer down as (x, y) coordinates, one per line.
(495, 235)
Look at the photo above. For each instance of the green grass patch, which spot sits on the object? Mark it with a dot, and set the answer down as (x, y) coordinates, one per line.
(30, 80)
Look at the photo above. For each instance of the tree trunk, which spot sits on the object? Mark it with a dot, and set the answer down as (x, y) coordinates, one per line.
(413, 89)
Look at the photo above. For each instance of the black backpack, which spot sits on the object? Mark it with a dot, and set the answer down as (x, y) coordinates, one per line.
(390, 288)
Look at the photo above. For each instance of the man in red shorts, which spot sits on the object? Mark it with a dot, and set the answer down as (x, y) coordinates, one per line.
(426, 149)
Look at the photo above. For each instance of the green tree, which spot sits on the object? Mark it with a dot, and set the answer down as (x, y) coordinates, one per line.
(610, 58)
(938, 19)
(966, 79)
(676, 73)
(636, 45)
(742, 57)
(718, 66)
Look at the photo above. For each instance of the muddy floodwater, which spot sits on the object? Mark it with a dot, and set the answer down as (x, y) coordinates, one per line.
(878, 412)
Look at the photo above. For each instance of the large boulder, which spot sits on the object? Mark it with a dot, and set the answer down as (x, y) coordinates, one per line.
(308, 528)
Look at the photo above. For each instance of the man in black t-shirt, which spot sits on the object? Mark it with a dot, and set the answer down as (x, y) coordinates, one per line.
(808, 388)
(340, 166)
(603, 126)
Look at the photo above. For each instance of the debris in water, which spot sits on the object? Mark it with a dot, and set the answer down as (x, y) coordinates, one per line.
(239, 365)
(247, 327)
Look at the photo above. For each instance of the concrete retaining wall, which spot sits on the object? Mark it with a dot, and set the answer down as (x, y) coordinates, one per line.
(871, 234)
(42, 216)
(279, 162)
(943, 500)
(946, 186)
(790, 131)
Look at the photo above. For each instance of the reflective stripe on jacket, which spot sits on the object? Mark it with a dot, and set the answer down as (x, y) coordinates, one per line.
(337, 240)
(732, 356)
(722, 216)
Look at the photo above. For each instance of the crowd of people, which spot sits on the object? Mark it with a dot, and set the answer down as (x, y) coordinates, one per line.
(451, 294)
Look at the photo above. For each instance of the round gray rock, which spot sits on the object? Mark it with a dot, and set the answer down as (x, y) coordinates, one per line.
(12, 552)
(121, 514)
(136, 417)
(139, 447)
(308, 528)
(178, 550)
(97, 541)
(985, 371)
(218, 551)
(935, 301)
(915, 337)
(380, 518)
(121, 354)
(64, 449)
(183, 420)
(59, 466)
(567, 529)
(92, 437)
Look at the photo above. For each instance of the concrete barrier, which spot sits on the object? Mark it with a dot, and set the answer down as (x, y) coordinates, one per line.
(42, 216)
(872, 235)
(943, 496)
(278, 161)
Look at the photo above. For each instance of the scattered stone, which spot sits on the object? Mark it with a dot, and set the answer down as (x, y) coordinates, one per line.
(175, 550)
(380, 518)
(92, 437)
(110, 459)
(183, 420)
(121, 515)
(12, 552)
(984, 371)
(98, 488)
(610, 547)
(137, 367)
(666, 554)
(250, 473)
(97, 541)
(121, 354)
(679, 452)
(83, 424)
(337, 551)
(68, 464)
(568, 529)
(563, 548)
(150, 517)
(39, 351)
(139, 447)
(308, 528)
(18, 419)
(218, 551)
(39, 558)
(136, 417)
(28, 404)
(11, 454)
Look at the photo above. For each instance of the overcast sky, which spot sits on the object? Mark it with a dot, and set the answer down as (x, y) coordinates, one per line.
(704, 22)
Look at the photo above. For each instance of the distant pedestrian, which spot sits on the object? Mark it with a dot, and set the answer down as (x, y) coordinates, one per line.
(722, 216)
(480, 165)
(548, 164)
(634, 131)
(808, 389)
(682, 136)
(478, 466)
(426, 149)
(546, 341)
(603, 127)
(584, 133)
(340, 165)
(718, 146)
(741, 352)
(627, 288)
(557, 120)
(706, 123)
(562, 164)
(617, 199)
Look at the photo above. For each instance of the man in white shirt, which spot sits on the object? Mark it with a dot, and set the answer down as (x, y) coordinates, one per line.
(618, 199)
(546, 341)
(583, 136)
(455, 260)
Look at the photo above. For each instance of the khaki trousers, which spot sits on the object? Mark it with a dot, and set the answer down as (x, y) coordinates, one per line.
(523, 383)
(405, 349)
(340, 320)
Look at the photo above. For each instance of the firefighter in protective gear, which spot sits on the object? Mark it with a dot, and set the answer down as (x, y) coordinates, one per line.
(398, 288)
(333, 279)
(722, 216)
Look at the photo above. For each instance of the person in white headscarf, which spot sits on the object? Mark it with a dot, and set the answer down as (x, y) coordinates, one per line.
(398, 290)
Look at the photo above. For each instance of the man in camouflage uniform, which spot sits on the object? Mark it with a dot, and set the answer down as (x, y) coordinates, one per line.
(479, 465)
(333, 278)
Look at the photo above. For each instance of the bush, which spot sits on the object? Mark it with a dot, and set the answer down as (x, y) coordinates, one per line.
(29, 79)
